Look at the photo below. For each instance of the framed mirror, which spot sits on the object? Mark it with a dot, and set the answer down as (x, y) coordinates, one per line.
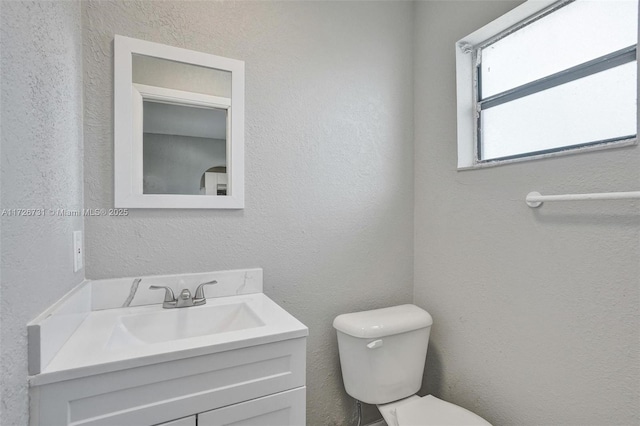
(178, 127)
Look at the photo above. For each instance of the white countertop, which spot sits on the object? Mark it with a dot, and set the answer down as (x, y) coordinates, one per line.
(89, 351)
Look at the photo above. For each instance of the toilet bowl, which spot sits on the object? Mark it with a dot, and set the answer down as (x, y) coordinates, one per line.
(382, 355)
(428, 411)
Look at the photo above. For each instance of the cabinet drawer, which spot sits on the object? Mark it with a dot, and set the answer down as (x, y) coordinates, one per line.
(282, 409)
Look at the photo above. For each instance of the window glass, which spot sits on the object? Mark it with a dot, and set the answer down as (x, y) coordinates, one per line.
(596, 108)
(568, 36)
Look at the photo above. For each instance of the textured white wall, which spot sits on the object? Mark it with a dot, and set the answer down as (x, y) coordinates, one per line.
(41, 123)
(536, 312)
(329, 162)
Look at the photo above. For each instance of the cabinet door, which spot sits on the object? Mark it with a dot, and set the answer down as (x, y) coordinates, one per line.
(281, 409)
(185, 421)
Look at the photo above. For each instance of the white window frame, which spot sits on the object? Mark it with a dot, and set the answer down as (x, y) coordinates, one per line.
(467, 88)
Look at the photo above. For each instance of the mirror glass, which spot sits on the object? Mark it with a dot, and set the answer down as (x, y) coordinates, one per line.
(169, 74)
(184, 144)
(180, 144)
(178, 127)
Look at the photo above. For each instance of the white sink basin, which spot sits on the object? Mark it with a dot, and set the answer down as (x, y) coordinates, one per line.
(89, 332)
(120, 338)
(183, 323)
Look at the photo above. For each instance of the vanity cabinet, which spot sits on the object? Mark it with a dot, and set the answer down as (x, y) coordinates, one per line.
(260, 384)
(284, 408)
(185, 421)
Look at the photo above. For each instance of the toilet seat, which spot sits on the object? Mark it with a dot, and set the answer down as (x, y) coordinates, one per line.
(428, 411)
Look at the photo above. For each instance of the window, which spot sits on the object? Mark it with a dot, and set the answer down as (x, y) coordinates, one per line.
(548, 78)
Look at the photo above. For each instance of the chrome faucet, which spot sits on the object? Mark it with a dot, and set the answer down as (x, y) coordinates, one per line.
(184, 300)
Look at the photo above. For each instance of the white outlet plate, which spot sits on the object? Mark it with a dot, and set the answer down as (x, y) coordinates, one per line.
(78, 251)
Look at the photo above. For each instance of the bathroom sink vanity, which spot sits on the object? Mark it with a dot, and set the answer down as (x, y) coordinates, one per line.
(238, 359)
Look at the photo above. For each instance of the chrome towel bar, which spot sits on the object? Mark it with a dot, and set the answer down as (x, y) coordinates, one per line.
(535, 199)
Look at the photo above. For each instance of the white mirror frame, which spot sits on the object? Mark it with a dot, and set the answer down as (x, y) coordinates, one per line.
(128, 98)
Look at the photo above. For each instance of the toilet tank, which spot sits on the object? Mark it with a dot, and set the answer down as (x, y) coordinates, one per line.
(383, 351)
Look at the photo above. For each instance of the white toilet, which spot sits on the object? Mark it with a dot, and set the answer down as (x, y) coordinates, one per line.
(382, 354)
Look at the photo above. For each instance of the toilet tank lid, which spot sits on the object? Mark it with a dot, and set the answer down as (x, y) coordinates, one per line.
(383, 322)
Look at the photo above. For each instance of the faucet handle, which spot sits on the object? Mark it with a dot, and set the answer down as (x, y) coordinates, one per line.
(168, 295)
(200, 290)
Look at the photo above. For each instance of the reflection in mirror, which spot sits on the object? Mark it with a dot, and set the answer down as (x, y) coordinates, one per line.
(214, 181)
(181, 143)
(178, 127)
(181, 140)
